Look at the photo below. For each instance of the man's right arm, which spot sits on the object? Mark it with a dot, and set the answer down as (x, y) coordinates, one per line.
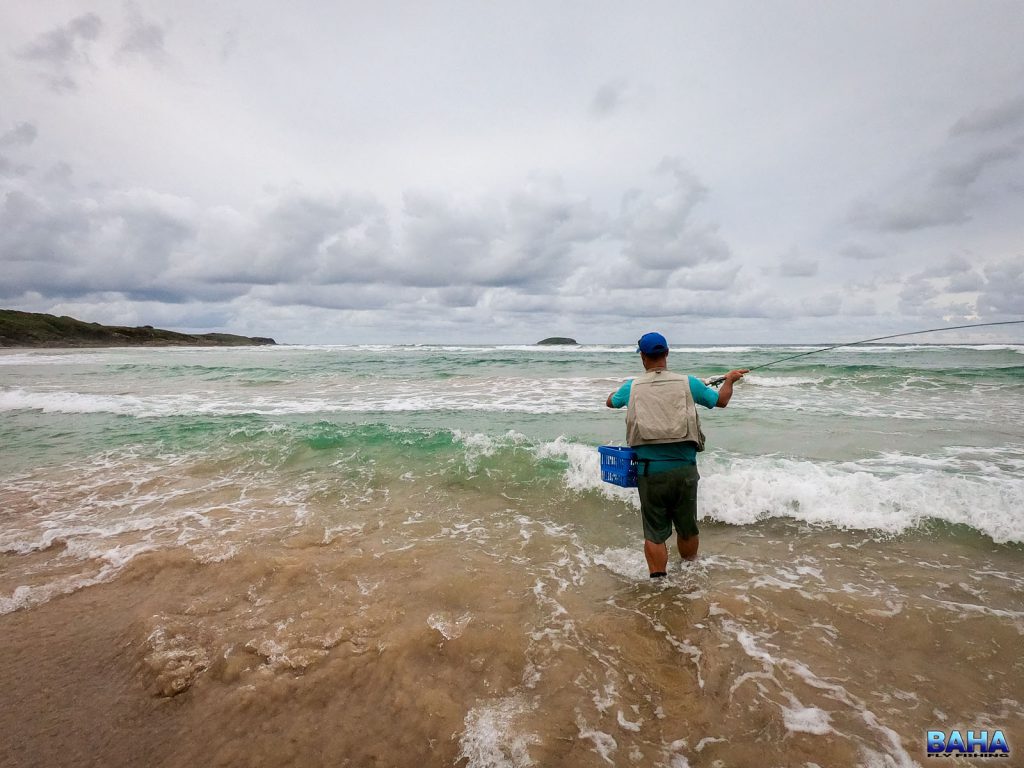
(725, 392)
(620, 397)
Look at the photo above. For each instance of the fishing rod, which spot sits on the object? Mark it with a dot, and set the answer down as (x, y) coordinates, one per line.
(715, 381)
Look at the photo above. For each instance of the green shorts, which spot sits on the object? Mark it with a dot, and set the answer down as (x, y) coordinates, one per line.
(667, 499)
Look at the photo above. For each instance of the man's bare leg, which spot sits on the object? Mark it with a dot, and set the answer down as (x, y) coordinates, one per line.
(688, 547)
(657, 557)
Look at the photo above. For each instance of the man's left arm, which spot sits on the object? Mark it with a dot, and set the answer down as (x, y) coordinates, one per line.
(725, 392)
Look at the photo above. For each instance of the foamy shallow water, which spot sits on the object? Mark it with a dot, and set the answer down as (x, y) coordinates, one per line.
(429, 561)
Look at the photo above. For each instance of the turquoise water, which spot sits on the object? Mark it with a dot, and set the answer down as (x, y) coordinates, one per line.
(850, 437)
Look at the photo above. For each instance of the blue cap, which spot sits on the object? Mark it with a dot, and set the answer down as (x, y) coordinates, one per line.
(652, 344)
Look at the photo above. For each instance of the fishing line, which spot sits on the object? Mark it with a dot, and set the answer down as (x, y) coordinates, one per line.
(714, 381)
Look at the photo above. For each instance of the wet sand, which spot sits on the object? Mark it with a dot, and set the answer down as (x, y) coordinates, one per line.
(498, 640)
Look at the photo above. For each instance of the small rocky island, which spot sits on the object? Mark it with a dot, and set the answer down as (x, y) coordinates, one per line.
(32, 329)
(557, 340)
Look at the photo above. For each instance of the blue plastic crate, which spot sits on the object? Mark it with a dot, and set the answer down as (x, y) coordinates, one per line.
(618, 465)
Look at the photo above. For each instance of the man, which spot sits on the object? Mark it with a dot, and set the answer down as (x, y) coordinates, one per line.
(663, 427)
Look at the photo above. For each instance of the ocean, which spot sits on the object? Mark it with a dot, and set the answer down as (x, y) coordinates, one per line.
(388, 555)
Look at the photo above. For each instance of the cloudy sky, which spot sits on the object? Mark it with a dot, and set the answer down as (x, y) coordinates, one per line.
(333, 172)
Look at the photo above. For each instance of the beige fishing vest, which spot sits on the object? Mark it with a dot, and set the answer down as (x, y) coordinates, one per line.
(661, 410)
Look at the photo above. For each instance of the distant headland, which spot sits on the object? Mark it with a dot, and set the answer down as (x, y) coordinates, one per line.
(557, 340)
(32, 329)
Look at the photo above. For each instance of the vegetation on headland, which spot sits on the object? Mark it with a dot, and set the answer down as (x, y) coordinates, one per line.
(557, 340)
(32, 329)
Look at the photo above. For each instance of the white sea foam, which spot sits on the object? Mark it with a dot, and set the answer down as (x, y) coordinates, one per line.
(890, 497)
(671, 756)
(70, 402)
(490, 738)
(781, 381)
(708, 740)
(455, 348)
(806, 720)
(478, 444)
(856, 495)
(622, 562)
(49, 358)
(813, 719)
(498, 395)
(901, 348)
(111, 562)
(584, 471)
(604, 744)
(449, 625)
(99, 515)
(628, 725)
(723, 348)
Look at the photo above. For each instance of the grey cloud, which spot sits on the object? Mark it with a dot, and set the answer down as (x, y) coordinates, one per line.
(344, 239)
(965, 282)
(448, 243)
(930, 209)
(63, 50)
(1004, 288)
(923, 292)
(60, 174)
(822, 305)
(229, 43)
(943, 201)
(959, 312)
(9, 168)
(607, 99)
(948, 194)
(963, 174)
(915, 295)
(1010, 114)
(863, 306)
(659, 231)
(705, 278)
(350, 296)
(512, 300)
(531, 239)
(382, 302)
(660, 302)
(861, 253)
(21, 135)
(32, 231)
(459, 295)
(293, 240)
(68, 247)
(143, 38)
(796, 266)
(60, 45)
(155, 246)
(547, 227)
(953, 265)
